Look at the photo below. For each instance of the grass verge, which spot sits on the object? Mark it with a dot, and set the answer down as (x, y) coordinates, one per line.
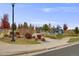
(73, 40)
(58, 36)
(20, 41)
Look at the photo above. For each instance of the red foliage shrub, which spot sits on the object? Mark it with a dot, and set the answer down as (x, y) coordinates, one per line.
(18, 36)
(17, 33)
(65, 27)
(28, 35)
(39, 36)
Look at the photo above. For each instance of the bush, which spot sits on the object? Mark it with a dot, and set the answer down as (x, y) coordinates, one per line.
(28, 35)
(39, 36)
(17, 33)
(36, 39)
(11, 33)
(6, 35)
(18, 36)
(43, 39)
(10, 36)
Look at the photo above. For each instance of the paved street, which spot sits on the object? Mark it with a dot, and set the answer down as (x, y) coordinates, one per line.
(68, 51)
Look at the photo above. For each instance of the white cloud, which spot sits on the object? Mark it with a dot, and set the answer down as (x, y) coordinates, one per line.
(59, 9)
(47, 9)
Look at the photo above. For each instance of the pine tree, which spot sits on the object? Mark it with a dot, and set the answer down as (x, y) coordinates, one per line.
(76, 30)
(45, 27)
(25, 25)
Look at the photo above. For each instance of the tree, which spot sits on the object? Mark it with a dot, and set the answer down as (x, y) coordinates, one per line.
(15, 26)
(53, 29)
(19, 26)
(49, 27)
(5, 22)
(76, 30)
(25, 25)
(31, 27)
(65, 27)
(45, 27)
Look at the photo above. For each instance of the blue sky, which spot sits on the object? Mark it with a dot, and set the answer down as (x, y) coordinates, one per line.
(41, 13)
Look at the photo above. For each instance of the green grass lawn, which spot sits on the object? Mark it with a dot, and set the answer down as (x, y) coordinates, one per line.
(71, 35)
(20, 41)
(73, 40)
(53, 36)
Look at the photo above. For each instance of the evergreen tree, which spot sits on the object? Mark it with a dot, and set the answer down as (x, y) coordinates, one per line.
(19, 26)
(45, 27)
(76, 30)
(25, 25)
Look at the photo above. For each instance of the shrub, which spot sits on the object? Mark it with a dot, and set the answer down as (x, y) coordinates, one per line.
(28, 35)
(6, 35)
(36, 39)
(17, 33)
(39, 36)
(42, 34)
(43, 39)
(11, 33)
(18, 36)
(10, 36)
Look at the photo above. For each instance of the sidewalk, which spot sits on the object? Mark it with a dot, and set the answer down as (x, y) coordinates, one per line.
(13, 49)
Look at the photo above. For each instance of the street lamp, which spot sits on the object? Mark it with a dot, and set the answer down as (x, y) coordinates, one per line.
(13, 39)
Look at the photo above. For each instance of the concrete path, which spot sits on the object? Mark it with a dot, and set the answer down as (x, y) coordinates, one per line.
(13, 49)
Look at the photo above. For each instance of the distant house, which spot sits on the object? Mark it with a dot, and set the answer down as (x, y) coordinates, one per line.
(57, 30)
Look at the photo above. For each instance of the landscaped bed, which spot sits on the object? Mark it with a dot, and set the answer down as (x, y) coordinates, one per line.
(73, 40)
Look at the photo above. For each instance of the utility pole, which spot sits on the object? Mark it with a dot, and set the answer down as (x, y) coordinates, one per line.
(13, 38)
